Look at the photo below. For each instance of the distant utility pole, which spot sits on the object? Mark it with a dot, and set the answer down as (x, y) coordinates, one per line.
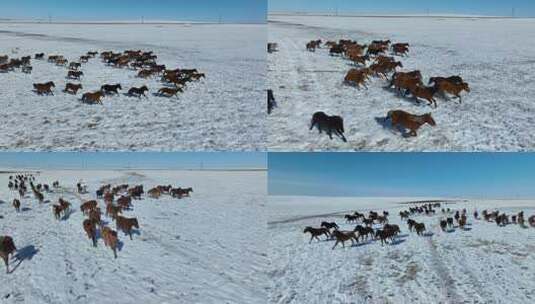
(513, 12)
(220, 19)
(142, 19)
(427, 12)
(49, 18)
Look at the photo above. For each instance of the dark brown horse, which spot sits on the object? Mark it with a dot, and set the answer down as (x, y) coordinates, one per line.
(315, 232)
(44, 88)
(138, 91)
(93, 98)
(343, 236)
(72, 88)
(91, 231)
(7, 247)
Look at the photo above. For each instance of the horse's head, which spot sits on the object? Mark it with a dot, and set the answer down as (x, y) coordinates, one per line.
(465, 87)
(307, 229)
(429, 119)
(8, 246)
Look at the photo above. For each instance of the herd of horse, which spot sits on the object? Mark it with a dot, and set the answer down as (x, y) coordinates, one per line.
(376, 226)
(116, 199)
(376, 59)
(144, 62)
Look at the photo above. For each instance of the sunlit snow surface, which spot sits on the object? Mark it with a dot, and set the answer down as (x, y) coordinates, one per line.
(493, 55)
(225, 111)
(209, 248)
(482, 264)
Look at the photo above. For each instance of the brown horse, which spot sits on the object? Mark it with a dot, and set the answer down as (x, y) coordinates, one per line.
(364, 232)
(356, 78)
(420, 228)
(383, 68)
(113, 211)
(409, 121)
(315, 232)
(343, 236)
(64, 204)
(93, 98)
(384, 235)
(404, 81)
(7, 247)
(16, 205)
(170, 92)
(94, 216)
(452, 88)
(125, 224)
(462, 222)
(61, 62)
(88, 206)
(154, 193)
(400, 48)
(72, 88)
(110, 239)
(57, 209)
(91, 231)
(124, 202)
(145, 73)
(423, 92)
(44, 88)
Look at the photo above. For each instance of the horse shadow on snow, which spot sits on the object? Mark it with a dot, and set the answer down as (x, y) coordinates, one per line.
(26, 253)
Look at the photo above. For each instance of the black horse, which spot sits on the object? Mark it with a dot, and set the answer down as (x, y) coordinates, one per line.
(329, 124)
(109, 88)
(271, 103)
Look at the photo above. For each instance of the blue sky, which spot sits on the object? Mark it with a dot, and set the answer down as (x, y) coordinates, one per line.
(190, 10)
(479, 175)
(523, 8)
(146, 160)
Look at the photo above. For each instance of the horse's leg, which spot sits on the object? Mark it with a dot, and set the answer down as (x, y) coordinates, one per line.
(335, 244)
(341, 135)
(6, 261)
(311, 237)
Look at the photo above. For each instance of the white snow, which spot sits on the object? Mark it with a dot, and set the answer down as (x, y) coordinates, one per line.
(484, 264)
(493, 55)
(225, 111)
(209, 248)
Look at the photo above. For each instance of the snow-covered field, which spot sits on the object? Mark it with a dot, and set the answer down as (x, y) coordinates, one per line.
(484, 264)
(209, 248)
(225, 111)
(493, 55)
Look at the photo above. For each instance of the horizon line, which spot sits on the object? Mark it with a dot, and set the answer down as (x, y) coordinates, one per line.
(393, 15)
(404, 196)
(234, 169)
(126, 22)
